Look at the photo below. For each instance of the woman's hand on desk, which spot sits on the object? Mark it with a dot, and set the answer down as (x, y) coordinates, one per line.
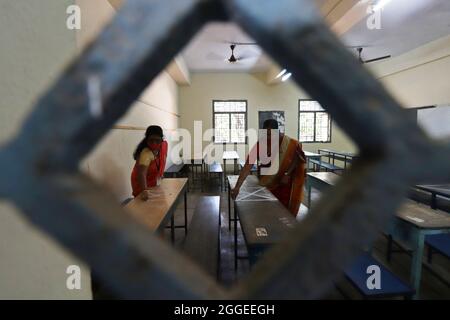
(234, 193)
(144, 195)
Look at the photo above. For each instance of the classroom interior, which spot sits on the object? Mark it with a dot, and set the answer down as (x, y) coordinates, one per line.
(216, 100)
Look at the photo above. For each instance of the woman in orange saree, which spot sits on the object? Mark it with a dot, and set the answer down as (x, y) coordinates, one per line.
(287, 183)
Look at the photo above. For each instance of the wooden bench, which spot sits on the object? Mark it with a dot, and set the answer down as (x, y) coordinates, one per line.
(441, 203)
(439, 243)
(391, 285)
(217, 170)
(326, 165)
(202, 244)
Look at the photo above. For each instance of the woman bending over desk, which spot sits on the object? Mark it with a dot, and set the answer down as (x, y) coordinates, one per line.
(287, 183)
(150, 156)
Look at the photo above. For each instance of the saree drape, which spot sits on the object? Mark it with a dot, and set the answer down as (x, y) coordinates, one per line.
(287, 189)
(155, 170)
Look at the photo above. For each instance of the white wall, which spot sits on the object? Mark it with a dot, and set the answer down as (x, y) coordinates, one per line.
(435, 121)
(111, 161)
(419, 77)
(196, 103)
(35, 47)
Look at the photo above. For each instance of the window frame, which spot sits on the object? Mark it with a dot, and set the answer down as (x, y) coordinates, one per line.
(229, 113)
(330, 124)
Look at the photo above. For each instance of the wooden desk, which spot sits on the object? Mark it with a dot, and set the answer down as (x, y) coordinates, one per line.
(264, 220)
(311, 156)
(442, 190)
(229, 155)
(338, 155)
(161, 205)
(194, 163)
(320, 181)
(264, 223)
(414, 221)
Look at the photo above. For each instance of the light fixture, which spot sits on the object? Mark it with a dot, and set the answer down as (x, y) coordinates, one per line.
(286, 76)
(281, 73)
(380, 5)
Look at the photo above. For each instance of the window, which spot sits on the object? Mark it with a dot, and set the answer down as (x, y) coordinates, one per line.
(229, 121)
(314, 124)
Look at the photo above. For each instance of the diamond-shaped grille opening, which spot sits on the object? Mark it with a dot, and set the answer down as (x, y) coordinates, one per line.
(117, 68)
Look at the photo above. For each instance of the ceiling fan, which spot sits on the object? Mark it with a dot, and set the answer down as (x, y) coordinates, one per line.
(360, 50)
(233, 58)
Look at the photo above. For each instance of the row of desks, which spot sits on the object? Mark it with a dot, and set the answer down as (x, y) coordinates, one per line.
(412, 224)
(199, 161)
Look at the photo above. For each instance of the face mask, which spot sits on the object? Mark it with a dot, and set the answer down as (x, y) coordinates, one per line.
(154, 146)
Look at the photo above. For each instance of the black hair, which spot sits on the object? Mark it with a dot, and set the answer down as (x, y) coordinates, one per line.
(151, 130)
(270, 124)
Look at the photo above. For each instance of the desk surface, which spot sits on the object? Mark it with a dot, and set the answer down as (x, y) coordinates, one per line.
(230, 155)
(264, 222)
(344, 153)
(312, 154)
(250, 181)
(263, 218)
(251, 190)
(155, 212)
(415, 213)
(423, 216)
(327, 177)
(440, 189)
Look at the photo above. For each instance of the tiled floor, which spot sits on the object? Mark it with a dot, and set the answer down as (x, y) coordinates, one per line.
(432, 288)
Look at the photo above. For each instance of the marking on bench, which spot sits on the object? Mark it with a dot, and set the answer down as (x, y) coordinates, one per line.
(415, 219)
(260, 197)
(286, 222)
(261, 232)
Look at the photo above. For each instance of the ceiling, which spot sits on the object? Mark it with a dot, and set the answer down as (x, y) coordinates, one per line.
(406, 24)
(209, 50)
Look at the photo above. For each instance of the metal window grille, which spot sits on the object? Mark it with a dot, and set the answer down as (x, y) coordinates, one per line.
(229, 121)
(314, 124)
(131, 51)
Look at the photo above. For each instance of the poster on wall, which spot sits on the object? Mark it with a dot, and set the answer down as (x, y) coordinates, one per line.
(277, 115)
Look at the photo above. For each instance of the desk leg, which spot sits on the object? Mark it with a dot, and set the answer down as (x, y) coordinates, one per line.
(433, 201)
(229, 209)
(416, 264)
(235, 165)
(309, 196)
(172, 228)
(235, 241)
(201, 178)
(225, 171)
(185, 213)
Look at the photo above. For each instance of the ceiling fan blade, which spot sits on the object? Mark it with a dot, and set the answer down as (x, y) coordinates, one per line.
(214, 57)
(245, 57)
(239, 43)
(377, 59)
(356, 47)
